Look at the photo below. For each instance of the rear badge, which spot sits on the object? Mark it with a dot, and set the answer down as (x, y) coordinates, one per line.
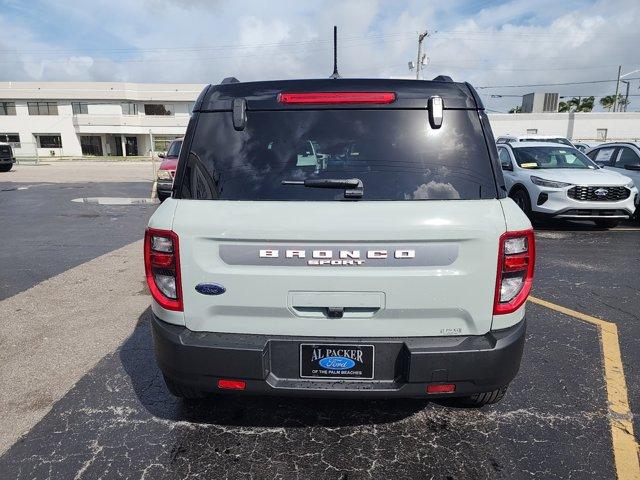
(210, 289)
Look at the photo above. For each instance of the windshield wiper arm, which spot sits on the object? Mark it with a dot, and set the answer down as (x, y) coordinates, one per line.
(353, 187)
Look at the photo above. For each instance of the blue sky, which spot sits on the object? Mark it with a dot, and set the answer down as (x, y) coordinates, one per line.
(488, 43)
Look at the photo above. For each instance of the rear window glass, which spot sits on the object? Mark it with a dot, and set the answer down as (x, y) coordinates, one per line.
(395, 153)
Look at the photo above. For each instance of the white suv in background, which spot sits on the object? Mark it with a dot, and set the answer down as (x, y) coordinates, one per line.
(547, 179)
(621, 157)
(534, 138)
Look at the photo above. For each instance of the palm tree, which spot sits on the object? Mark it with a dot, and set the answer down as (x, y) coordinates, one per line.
(608, 101)
(516, 110)
(585, 104)
(563, 107)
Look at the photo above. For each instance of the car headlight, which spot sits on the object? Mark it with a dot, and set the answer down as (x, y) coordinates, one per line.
(164, 175)
(549, 183)
(630, 184)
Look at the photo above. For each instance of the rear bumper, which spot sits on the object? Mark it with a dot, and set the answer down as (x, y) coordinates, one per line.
(5, 160)
(403, 366)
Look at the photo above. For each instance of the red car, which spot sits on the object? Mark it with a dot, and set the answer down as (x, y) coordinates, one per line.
(167, 169)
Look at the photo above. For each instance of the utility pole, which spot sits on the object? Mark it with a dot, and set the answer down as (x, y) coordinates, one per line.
(420, 58)
(626, 97)
(615, 99)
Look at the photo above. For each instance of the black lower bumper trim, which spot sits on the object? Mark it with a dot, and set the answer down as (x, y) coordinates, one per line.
(403, 366)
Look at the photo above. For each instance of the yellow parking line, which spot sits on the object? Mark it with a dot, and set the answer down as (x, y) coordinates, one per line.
(625, 446)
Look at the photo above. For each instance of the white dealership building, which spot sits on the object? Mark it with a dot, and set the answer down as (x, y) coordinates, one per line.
(74, 119)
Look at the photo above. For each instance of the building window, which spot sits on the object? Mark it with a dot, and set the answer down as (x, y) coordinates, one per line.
(49, 141)
(7, 108)
(158, 109)
(129, 108)
(532, 131)
(601, 134)
(43, 108)
(80, 107)
(91, 145)
(11, 138)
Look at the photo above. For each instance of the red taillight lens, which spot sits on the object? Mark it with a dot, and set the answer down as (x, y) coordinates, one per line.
(333, 98)
(516, 261)
(441, 388)
(162, 266)
(232, 384)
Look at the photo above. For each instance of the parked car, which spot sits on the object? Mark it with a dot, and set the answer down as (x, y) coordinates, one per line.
(582, 146)
(551, 180)
(339, 237)
(534, 138)
(6, 157)
(621, 157)
(167, 169)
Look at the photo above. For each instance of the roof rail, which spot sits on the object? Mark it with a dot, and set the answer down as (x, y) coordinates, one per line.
(229, 80)
(443, 78)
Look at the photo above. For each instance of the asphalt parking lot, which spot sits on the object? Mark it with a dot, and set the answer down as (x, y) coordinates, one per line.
(83, 398)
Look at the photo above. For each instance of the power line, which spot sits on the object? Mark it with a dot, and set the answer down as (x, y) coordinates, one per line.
(553, 84)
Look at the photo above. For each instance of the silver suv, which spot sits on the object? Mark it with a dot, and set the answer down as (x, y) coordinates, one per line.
(339, 238)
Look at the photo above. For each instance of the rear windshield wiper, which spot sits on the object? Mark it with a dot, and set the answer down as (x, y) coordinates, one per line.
(353, 187)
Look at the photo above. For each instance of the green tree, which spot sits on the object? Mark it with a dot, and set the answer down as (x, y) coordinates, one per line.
(608, 101)
(516, 110)
(586, 104)
(577, 104)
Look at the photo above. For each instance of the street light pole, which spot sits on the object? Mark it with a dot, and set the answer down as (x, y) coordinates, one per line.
(615, 98)
(419, 60)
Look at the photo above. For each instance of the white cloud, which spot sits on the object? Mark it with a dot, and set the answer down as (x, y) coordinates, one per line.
(516, 42)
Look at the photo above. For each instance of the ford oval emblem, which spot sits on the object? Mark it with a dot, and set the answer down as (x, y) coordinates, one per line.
(601, 192)
(210, 289)
(337, 363)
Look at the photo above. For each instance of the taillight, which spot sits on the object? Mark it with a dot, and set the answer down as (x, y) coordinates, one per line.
(516, 260)
(332, 98)
(162, 265)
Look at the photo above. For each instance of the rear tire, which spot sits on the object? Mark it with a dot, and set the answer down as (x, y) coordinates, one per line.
(484, 398)
(162, 197)
(6, 167)
(522, 199)
(606, 223)
(183, 391)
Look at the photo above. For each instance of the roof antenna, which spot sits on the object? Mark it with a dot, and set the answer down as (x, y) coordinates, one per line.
(335, 73)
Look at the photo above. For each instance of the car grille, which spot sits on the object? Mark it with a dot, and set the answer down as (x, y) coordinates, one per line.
(599, 194)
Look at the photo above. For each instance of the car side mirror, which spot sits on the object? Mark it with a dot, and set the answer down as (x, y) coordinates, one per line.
(507, 166)
(161, 155)
(635, 167)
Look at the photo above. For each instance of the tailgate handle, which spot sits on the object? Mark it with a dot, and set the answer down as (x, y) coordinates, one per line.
(336, 304)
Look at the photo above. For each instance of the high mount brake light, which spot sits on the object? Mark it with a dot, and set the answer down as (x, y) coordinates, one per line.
(162, 266)
(336, 98)
(516, 261)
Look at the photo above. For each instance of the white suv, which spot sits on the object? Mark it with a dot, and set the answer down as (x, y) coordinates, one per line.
(534, 138)
(621, 157)
(547, 179)
(339, 238)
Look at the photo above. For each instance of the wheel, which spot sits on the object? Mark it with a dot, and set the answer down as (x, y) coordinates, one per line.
(485, 398)
(521, 197)
(6, 167)
(606, 223)
(162, 197)
(183, 391)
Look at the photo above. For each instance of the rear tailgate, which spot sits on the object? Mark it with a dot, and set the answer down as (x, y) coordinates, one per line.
(442, 283)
